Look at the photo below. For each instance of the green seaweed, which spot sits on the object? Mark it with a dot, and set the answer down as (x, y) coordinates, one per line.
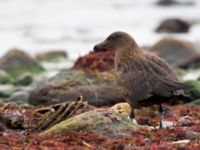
(103, 121)
(21, 69)
(194, 89)
(196, 102)
(6, 80)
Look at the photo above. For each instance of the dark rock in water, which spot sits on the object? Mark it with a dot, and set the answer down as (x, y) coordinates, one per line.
(178, 53)
(98, 90)
(173, 26)
(96, 61)
(17, 62)
(52, 55)
(24, 79)
(174, 2)
(104, 122)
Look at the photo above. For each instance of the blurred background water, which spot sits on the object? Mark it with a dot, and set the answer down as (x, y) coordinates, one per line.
(77, 25)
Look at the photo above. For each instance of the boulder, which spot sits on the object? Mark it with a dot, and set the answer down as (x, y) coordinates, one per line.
(105, 122)
(98, 90)
(173, 26)
(7, 90)
(178, 53)
(16, 62)
(196, 102)
(52, 55)
(24, 79)
(22, 96)
(194, 89)
(5, 78)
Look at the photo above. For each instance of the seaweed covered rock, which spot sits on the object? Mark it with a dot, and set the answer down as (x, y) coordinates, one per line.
(104, 122)
(16, 62)
(52, 55)
(95, 62)
(7, 90)
(173, 26)
(98, 89)
(194, 89)
(5, 78)
(178, 53)
(4, 94)
(195, 102)
(19, 96)
(24, 79)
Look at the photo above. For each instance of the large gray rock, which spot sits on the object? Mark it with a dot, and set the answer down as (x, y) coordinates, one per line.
(178, 53)
(22, 96)
(16, 62)
(173, 25)
(98, 90)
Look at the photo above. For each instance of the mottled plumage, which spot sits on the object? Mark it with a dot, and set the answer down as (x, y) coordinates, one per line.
(144, 78)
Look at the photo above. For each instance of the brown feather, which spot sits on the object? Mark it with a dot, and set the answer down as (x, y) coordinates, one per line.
(142, 77)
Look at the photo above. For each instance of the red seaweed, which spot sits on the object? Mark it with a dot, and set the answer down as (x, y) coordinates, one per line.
(95, 62)
(157, 139)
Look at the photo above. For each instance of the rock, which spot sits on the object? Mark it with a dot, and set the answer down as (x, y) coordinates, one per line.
(24, 79)
(6, 90)
(122, 108)
(185, 121)
(98, 90)
(17, 62)
(195, 102)
(174, 2)
(52, 56)
(95, 62)
(178, 53)
(5, 78)
(39, 81)
(104, 122)
(173, 26)
(191, 135)
(4, 94)
(12, 116)
(22, 96)
(194, 89)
